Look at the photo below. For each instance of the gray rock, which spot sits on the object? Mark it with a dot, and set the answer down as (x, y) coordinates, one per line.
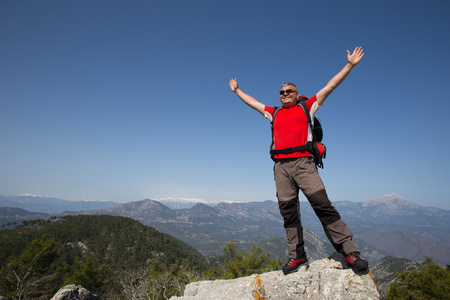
(74, 292)
(325, 279)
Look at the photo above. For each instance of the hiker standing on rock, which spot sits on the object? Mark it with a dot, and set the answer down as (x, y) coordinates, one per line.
(294, 171)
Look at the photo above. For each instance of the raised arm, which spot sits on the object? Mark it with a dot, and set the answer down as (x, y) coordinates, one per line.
(352, 60)
(247, 99)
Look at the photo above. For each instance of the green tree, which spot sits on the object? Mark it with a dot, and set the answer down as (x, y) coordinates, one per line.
(116, 245)
(240, 263)
(29, 275)
(431, 281)
(86, 272)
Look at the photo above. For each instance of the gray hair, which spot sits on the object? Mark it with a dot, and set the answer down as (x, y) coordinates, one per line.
(290, 83)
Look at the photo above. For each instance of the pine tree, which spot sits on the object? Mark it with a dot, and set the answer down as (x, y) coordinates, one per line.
(240, 263)
(29, 275)
(86, 272)
(431, 281)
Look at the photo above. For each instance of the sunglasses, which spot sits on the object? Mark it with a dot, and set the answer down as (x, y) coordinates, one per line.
(286, 91)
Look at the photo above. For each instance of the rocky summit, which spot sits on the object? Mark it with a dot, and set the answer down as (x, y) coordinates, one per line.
(74, 292)
(325, 279)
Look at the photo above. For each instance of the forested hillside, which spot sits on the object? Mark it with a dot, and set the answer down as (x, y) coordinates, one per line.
(118, 242)
(91, 250)
(113, 257)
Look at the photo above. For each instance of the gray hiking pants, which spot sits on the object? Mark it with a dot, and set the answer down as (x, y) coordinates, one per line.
(293, 175)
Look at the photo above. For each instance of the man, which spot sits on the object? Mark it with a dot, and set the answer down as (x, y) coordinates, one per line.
(297, 171)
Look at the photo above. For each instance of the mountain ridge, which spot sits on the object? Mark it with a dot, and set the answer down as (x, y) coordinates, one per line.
(208, 227)
(250, 223)
(49, 204)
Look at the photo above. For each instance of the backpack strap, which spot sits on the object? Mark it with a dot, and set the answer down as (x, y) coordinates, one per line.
(275, 110)
(314, 149)
(306, 111)
(306, 147)
(316, 133)
(316, 127)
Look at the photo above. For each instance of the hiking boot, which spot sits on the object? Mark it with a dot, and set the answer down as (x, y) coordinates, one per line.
(294, 264)
(356, 262)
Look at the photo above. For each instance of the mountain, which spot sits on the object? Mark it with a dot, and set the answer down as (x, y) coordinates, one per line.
(139, 210)
(403, 243)
(11, 215)
(49, 205)
(205, 227)
(183, 203)
(386, 225)
(393, 209)
(209, 228)
(383, 273)
(399, 227)
(421, 231)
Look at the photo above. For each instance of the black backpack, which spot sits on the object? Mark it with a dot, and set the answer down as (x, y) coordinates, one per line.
(314, 147)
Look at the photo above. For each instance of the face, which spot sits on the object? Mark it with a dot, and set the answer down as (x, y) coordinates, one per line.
(288, 99)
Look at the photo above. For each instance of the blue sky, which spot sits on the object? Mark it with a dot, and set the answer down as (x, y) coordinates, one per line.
(127, 100)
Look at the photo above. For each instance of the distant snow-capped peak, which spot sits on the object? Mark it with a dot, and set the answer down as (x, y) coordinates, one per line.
(392, 200)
